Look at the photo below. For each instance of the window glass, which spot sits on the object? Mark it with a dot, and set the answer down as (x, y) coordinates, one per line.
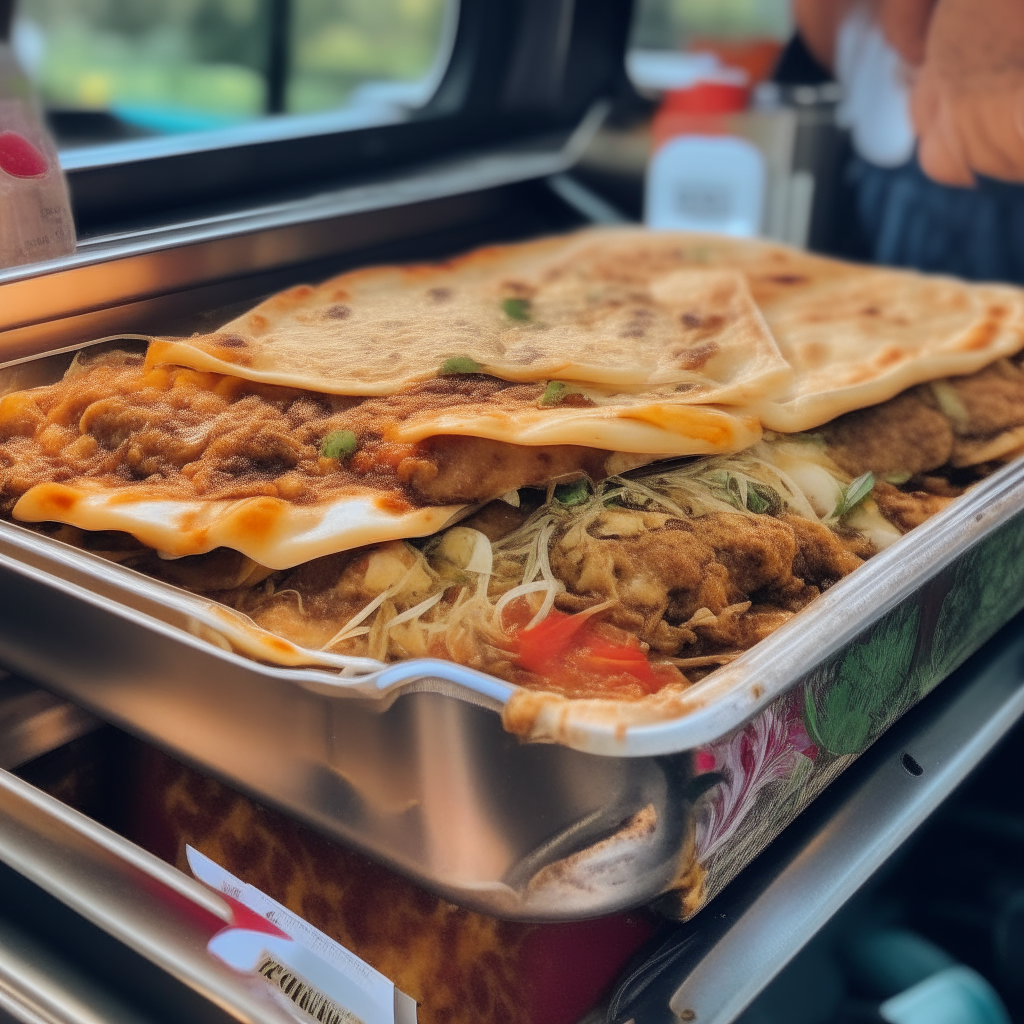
(676, 24)
(377, 49)
(162, 66)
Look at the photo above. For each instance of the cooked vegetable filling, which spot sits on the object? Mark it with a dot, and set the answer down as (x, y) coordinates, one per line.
(614, 588)
(175, 432)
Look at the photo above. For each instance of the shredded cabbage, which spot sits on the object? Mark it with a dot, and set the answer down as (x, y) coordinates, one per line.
(474, 581)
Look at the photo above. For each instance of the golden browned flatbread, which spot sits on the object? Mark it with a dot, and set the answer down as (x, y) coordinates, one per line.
(525, 313)
(852, 335)
(187, 462)
(651, 323)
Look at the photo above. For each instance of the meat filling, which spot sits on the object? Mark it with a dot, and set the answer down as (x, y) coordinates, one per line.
(174, 432)
(712, 583)
(902, 436)
(644, 583)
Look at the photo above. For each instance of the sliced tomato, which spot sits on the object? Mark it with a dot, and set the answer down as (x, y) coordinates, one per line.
(570, 653)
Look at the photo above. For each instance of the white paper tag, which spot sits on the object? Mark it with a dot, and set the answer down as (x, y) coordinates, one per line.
(319, 975)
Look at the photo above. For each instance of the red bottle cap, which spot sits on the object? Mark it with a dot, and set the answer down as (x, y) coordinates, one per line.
(19, 158)
(707, 98)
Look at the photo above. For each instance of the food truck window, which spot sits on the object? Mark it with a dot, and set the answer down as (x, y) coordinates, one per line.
(164, 109)
(672, 41)
(124, 68)
(678, 24)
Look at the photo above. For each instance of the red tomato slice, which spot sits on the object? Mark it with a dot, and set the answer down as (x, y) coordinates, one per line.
(567, 652)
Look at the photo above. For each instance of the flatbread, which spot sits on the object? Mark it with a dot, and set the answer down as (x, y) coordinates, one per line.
(672, 319)
(853, 335)
(187, 461)
(521, 313)
(273, 532)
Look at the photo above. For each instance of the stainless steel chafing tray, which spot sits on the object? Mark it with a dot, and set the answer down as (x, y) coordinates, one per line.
(411, 763)
(77, 896)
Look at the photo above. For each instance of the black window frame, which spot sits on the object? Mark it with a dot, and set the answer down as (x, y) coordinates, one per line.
(517, 69)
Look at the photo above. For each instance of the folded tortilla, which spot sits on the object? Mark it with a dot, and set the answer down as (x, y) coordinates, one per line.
(669, 320)
(853, 335)
(276, 533)
(521, 313)
(187, 461)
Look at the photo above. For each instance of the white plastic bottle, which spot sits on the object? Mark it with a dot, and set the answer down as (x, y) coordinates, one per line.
(704, 177)
(35, 209)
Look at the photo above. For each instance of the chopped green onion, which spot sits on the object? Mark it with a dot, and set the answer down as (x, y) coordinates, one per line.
(897, 478)
(726, 487)
(762, 499)
(854, 494)
(759, 498)
(553, 393)
(575, 493)
(950, 402)
(458, 364)
(339, 445)
(516, 309)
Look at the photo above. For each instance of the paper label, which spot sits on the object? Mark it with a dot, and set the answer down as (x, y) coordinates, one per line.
(320, 976)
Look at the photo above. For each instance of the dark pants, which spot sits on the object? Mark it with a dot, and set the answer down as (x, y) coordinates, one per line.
(907, 220)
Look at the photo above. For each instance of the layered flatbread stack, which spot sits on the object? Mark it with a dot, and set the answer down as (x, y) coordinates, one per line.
(598, 465)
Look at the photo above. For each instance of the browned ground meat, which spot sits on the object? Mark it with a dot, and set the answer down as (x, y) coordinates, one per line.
(987, 412)
(173, 432)
(993, 399)
(904, 435)
(455, 468)
(682, 583)
(697, 589)
(497, 519)
(907, 509)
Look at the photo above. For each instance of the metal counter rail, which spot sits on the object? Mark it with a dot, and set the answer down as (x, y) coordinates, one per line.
(34, 721)
(123, 916)
(713, 967)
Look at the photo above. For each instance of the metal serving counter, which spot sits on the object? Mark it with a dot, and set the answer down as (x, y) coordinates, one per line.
(93, 928)
(956, 584)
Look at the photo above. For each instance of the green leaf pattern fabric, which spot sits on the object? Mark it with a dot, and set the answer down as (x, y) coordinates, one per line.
(866, 692)
(988, 588)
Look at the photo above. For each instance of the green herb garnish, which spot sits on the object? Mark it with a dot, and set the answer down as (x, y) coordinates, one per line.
(756, 497)
(897, 478)
(339, 445)
(854, 494)
(575, 493)
(950, 402)
(516, 309)
(553, 393)
(458, 364)
(763, 500)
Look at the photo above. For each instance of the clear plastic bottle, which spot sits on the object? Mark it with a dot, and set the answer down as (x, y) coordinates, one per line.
(35, 209)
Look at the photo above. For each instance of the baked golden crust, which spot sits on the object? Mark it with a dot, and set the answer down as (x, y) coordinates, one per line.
(797, 338)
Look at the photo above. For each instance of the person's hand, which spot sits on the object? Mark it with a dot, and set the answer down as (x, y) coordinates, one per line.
(968, 96)
(905, 26)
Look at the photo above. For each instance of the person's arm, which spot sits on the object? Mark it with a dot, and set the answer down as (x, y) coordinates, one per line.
(905, 25)
(818, 22)
(904, 22)
(968, 98)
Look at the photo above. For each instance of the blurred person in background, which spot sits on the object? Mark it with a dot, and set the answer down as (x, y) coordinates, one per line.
(934, 100)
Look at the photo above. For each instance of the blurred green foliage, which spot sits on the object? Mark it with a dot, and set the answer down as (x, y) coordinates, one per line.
(668, 24)
(337, 44)
(201, 63)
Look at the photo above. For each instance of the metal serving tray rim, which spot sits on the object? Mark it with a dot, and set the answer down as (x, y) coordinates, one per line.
(712, 708)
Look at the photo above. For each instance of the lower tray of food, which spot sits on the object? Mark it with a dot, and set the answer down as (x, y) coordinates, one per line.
(705, 515)
(457, 965)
